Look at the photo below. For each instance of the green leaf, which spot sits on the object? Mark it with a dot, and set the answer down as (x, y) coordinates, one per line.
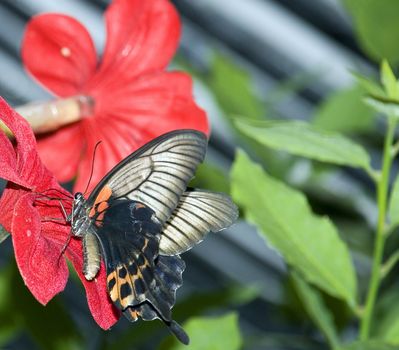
(388, 107)
(9, 326)
(389, 81)
(393, 209)
(369, 345)
(3, 234)
(316, 309)
(290, 86)
(309, 243)
(195, 304)
(303, 139)
(210, 333)
(210, 177)
(387, 311)
(344, 111)
(233, 89)
(371, 86)
(376, 24)
(50, 326)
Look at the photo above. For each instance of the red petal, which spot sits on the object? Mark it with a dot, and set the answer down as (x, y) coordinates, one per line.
(155, 104)
(8, 169)
(61, 160)
(142, 36)
(7, 204)
(9, 162)
(42, 268)
(27, 162)
(108, 154)
(134, 114)
(58, 51)
(101, 307)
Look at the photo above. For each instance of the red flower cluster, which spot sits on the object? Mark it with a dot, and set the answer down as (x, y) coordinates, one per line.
(135, 98)
(37, 239)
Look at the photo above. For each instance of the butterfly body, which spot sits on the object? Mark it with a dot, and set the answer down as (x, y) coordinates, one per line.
(140, 217)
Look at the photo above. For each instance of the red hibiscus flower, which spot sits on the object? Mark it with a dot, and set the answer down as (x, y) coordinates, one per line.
(135, 98)
(38, 240)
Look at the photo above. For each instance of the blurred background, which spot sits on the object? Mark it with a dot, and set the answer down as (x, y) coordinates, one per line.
(254, 59)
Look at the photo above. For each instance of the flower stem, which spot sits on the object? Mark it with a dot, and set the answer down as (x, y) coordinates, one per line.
(51, 115)
(382, 193)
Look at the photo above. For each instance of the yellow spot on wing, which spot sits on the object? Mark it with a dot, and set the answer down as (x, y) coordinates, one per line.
(113, 293)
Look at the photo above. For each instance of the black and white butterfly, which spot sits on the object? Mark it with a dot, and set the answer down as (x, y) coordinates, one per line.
(141, 216)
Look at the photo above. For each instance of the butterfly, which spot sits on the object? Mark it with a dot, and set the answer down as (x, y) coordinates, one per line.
(141, 217)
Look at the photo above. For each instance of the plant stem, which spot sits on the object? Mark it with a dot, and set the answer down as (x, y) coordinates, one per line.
(382, 192)
(389, 264)
(395, 149)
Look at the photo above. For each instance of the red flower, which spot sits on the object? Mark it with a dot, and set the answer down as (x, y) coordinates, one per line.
(135, 98)
(38, 241)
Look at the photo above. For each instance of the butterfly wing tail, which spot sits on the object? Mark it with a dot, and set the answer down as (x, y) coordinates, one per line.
(178, 332)
(147, 312)
(168, 276)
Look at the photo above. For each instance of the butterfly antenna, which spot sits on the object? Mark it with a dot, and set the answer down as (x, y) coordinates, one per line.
(92, 166)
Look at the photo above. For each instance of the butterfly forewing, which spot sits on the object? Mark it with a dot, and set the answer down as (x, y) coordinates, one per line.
(157, 174)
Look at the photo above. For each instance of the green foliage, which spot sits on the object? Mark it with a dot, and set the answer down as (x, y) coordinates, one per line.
(303, 139)
(9, 326)
(3, 234)
(210, 333)
(369, 345)
(384, 100)
(369, 85)
(195, 304)
(210, 177)
(316, 309)
(344, 111)
(389, 81)
(385, 106)
(232, 88)
(394, 204)
(387, 311)
(49, 326)
(376, 24)
(309, 243)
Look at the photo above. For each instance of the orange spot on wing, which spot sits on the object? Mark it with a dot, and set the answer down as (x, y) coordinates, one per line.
(102, 206)
(132, 315)
(100, 217)
(102, 198)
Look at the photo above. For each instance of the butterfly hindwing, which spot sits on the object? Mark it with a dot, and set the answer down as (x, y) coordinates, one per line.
(168, 271)
(197, 213)
(140, 282)
(129, 238)
(157, 173)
